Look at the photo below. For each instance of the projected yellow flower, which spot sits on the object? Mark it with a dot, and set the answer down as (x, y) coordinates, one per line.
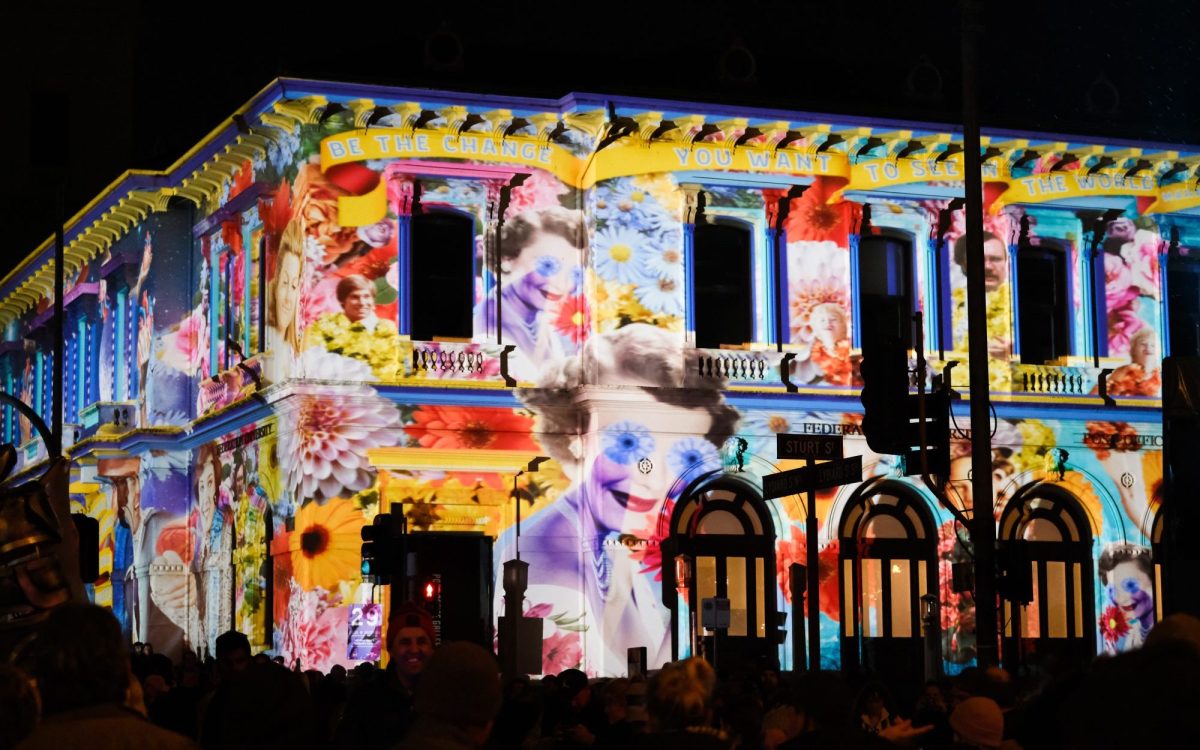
(325, 544)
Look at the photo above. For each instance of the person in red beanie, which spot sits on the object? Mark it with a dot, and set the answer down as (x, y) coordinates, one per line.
(379, 709)
(410, 642)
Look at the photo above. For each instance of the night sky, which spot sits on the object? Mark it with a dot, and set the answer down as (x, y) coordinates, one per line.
(94, 91)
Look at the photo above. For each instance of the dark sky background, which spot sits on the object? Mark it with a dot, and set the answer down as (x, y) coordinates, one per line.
(95, 88)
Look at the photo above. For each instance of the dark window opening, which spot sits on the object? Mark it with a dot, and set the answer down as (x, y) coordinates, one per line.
(1043, 308)
(885, 284)
(722, 283)
(1183, 305)
(443, 277)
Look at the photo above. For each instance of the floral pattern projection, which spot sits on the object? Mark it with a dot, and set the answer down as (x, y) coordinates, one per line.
(819, 320)
(269, 516)
(335, 289)
(1131, 297)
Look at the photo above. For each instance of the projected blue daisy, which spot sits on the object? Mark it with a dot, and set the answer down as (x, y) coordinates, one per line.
(626, 442)
(692, 453)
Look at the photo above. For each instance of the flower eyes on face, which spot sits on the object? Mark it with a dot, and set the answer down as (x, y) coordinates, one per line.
(1131, 586)
(547, 265)
(626, 442)
(691, 452)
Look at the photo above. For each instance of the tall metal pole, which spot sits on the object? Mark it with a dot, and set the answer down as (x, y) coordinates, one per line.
(814, 582)
(983, 531)
(56, 404)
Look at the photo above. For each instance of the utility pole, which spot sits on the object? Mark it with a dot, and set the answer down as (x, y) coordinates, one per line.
(983, 525)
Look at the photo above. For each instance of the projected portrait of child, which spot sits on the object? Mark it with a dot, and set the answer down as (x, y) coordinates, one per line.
(1127, 573)
(659, 425)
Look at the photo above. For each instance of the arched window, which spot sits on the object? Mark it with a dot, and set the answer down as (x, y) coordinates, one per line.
(722, 545)
(885, 284)
(1059, 621)
(442, 275)
(722, 284)
(888, 555)
(1043, 304)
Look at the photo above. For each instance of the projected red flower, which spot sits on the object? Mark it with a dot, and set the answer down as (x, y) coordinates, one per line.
(1113, 625)
(794, 551)
(573, 318)
(453, 427)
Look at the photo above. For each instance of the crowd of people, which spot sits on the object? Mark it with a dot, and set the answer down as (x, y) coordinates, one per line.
(76, 684)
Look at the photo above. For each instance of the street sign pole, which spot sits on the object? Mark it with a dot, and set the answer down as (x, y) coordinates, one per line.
(833, 472)
(814, 596)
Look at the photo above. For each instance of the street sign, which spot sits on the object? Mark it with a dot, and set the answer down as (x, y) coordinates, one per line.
(814, 477)
(714, 613)
(811, 447)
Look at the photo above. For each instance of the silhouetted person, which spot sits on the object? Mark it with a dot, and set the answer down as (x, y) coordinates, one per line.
(81, 664)
(456, 700)
(18, 706)
(679, 702)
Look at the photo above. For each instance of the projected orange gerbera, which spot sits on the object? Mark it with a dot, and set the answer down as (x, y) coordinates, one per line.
(325, 545)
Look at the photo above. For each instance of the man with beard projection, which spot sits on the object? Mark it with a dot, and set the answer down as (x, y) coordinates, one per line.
(1128, 577)
(575, 547)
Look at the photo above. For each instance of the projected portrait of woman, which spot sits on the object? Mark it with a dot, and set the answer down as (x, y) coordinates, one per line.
(283, 336)
(540, 256)
(635, 453)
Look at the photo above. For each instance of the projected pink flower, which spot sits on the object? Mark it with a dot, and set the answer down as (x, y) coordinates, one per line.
(185, 346)
(540, 189)
(563, 650)
(323, 443)
(309, 633)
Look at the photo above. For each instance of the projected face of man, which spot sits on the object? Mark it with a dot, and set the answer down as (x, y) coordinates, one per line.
(995, 264)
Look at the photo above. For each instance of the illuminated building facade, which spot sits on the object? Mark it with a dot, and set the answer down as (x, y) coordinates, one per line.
(351, 299)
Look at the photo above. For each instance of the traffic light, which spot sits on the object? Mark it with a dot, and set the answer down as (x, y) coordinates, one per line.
(431, 588)
(937, 435)
(884, 396)
(379, 550)
(1014, 572)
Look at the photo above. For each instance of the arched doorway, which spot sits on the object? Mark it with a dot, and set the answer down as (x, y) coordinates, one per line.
(1057, 627)
(722, 544)
(888, 556)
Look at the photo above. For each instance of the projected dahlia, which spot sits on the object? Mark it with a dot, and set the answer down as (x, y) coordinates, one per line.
(323, 443)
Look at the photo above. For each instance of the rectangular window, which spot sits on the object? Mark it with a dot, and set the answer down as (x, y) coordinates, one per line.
(1043, 305)
(706, 587)
(872, 598)
(901, 572)
(252, 284)
(735, 585)
(1056, 598)
(442, 276)
(722, 285)
(1183, 305)
(847, 599)
(885, 285)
